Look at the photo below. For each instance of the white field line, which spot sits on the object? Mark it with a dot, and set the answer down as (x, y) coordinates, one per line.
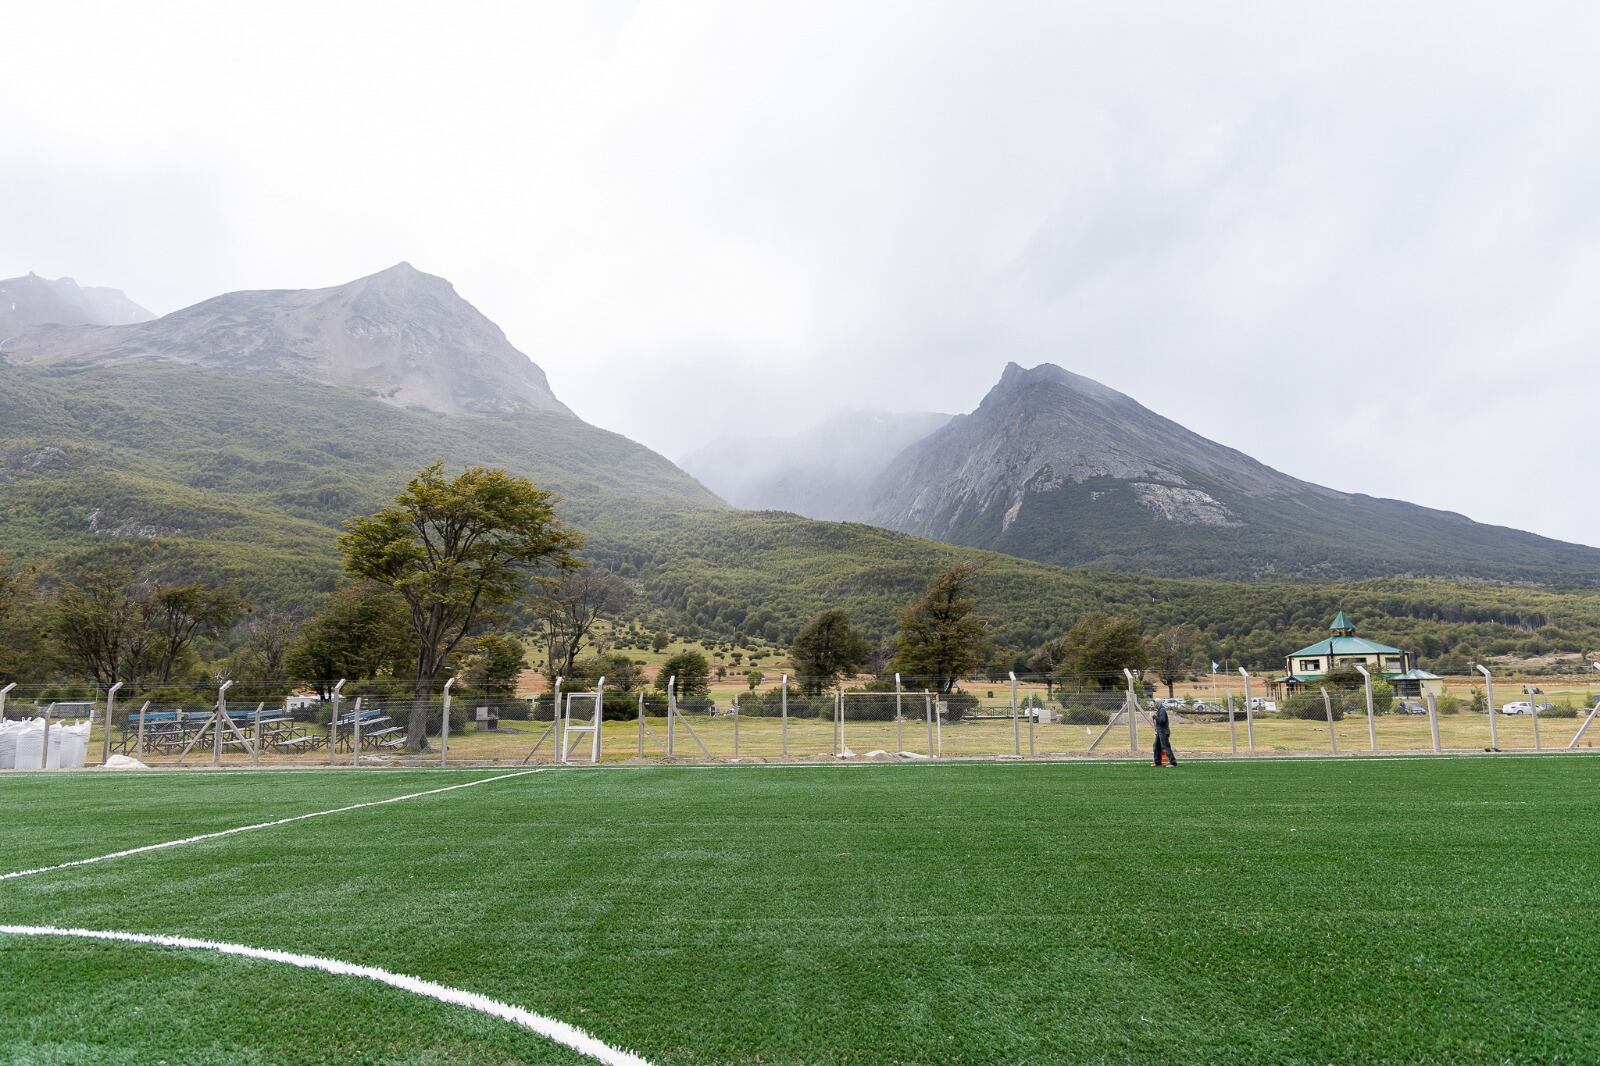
(260, 825)
(550, 1028)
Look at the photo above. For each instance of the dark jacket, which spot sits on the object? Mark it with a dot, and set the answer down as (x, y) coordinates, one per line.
(1162, 724)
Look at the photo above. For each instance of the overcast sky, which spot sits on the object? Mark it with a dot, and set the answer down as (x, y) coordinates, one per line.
(1359, 241)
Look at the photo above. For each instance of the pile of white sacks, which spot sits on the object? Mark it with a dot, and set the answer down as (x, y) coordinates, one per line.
(22, 743)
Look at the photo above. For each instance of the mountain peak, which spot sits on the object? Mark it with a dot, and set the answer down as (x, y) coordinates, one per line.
(1015, 376)
(401, 335)
(31, 301)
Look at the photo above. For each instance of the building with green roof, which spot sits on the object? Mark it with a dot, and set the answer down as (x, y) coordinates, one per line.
(1342, 648)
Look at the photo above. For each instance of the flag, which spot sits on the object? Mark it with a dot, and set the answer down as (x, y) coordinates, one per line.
(1214, 666)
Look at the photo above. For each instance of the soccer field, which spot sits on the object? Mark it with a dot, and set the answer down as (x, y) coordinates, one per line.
(1431, 909)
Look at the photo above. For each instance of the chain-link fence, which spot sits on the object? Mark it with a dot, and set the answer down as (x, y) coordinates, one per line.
(860, 718)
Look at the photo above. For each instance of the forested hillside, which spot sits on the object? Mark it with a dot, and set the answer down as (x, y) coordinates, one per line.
(185, 473)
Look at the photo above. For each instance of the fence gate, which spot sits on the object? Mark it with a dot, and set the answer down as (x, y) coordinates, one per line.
(573, 731)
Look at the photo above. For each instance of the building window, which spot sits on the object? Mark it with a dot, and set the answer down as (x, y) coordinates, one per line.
(1310, 665)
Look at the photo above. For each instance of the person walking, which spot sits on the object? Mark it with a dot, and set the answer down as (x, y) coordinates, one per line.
(1164, 736)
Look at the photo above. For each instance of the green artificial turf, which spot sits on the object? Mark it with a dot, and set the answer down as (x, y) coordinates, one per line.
(1298, 911)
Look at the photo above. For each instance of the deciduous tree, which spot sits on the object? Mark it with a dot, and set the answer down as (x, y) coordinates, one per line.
(1172, 654)
(1099, 647)
(454, 549)
(362, 632)
(827, 649)
(941, 637)
(569, 609)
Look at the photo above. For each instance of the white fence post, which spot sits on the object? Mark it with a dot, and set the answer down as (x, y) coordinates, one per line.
(1372, 725)
(105, 741)
(3, 693)
(1132, 712)
(899, 719)
(1016, 723)
(783, 709)
(444, 722)
(1249, 712)
(1488, 693)
(1433, 721)
(1327, 705)
(335, 697)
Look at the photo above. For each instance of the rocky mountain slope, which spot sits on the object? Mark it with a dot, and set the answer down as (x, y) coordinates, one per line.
(822, 472)
(1056, 467)
(400, 335)
(29, 302)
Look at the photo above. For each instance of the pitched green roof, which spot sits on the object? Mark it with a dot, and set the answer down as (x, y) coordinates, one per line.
(1414, 675)
(1345, 646)
(1339, 622)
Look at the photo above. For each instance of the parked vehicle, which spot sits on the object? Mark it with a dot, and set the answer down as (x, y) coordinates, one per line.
(1261, 703)
(1410, 707)
(1517, 707)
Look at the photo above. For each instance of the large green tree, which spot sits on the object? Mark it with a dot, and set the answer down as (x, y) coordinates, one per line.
(363, 631)
(942, 637)
(455, 549)
(1098, 648)
(827, 649)
(1172, 654)
(183, 612)
(104, 627)
(693, 673)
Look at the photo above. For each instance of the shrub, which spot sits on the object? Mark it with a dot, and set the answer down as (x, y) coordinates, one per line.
(959, 705)
(1308, 707)
(1449, 704)
(1080, 713)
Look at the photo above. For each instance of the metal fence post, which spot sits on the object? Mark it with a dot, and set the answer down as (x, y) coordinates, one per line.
(640, 751)
(138, 744)
(44, 743)
(1433, 721)
(927, 710)
(672, 709)
(1488, 692)
(1016, 723)
(736, 727)
(105, 741)
(335, 697)
(1372, 725)
(255, 734)
(1132, 708)
(841, 724)
(1533, 712)
(783, 705)
(899, 719)
(3, 693)
(217, 720)
(1249, 712)
(1233, 736)
(1327, 705)
(444, 722)
(558, 723)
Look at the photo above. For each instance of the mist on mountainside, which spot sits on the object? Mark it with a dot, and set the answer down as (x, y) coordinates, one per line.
(30, 302)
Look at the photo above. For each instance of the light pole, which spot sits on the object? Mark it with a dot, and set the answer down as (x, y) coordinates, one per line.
(1488, 692)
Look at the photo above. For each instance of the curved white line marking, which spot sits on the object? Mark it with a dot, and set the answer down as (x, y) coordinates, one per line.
(259, 825)
(550, 1028)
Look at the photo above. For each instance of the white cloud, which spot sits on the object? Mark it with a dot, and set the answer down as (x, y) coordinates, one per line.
(1357, 242)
